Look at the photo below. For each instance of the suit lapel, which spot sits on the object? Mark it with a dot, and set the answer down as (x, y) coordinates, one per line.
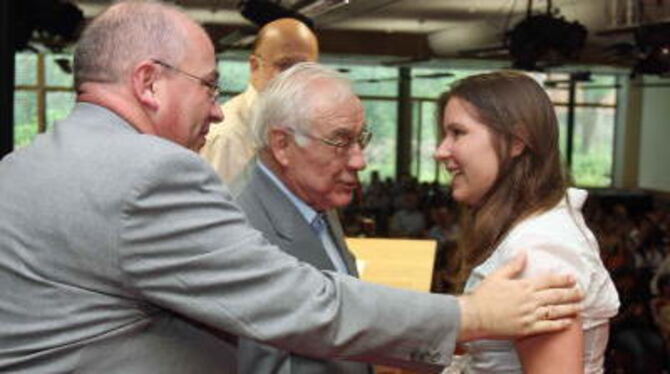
(336, 232)
(295, 236)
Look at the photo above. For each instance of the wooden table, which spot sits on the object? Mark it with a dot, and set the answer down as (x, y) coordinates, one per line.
(400, 263)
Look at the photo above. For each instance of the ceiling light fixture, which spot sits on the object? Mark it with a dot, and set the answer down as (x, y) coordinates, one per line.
(319, 7)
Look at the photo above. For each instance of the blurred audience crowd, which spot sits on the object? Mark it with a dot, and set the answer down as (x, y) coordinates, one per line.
(634, 243)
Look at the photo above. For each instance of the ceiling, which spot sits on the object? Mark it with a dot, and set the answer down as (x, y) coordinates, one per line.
(410, 31)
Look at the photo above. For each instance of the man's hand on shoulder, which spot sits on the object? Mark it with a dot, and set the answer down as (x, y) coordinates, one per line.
(504, 307)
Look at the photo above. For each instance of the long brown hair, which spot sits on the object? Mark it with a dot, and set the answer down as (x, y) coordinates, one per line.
(514, 107)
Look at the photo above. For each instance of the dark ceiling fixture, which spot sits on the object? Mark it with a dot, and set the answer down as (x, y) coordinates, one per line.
(653, 44)
(648, 52)
(544, 40)
(261, 12)
(53, 24)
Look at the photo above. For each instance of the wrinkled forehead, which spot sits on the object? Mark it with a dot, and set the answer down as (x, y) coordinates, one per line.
(345, 114)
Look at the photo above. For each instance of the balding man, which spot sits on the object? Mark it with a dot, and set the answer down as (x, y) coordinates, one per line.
(136, 260)
(280, 44)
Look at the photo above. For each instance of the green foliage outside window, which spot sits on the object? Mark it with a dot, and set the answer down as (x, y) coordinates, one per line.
(372, 84)
(593, 138)
(26, 69)
(25, 102)
(54, 74)
(381, 152)
(55, 86)
(25, 117)
(378, 88)
(233, 74)
(58, 106)
(427, 85)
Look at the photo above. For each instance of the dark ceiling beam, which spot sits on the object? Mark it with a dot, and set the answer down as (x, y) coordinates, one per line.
(374, 43)
(364, 43)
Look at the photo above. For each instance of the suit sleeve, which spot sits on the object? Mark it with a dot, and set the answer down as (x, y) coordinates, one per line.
(186, 247)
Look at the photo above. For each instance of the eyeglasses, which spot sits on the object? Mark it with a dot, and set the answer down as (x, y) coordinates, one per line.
(340, 141)
(213, 89)
(281, 65)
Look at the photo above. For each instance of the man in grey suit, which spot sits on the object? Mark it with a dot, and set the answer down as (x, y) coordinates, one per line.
(302, 173)
(121, 252)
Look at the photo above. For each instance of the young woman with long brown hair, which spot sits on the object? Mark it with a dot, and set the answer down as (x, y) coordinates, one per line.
(501, 147)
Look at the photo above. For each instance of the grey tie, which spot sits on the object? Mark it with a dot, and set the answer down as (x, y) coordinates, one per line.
(320, 227)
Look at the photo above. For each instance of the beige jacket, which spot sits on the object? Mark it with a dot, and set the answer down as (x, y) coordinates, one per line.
(229, 144)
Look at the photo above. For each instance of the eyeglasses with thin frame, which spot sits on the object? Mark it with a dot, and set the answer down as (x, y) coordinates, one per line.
(281, 65)
(342, 141)
(213, 89)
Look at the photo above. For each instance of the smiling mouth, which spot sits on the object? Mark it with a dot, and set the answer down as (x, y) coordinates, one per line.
(454, 171)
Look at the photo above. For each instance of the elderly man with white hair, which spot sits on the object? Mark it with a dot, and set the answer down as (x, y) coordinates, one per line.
(307, 166)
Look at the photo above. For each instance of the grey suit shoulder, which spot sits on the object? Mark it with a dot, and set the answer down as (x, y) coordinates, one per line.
(271, 212)
(123, 253)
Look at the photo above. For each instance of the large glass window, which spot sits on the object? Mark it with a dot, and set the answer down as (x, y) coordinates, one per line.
(594, 124)
(377, 87)
(58, 69)
(25, 101)
(233, 75)
(58, 105)
(593, 133)
(44, 93)
(25, 117)
(427, 85)
(381, 118)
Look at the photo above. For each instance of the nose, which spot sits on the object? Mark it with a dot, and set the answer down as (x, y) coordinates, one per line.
(215, 113)
(443, 151)
(356, 160)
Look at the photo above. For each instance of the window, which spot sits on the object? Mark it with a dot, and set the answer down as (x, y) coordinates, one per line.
(44, 93)
(377, 86)
(233, 76)
(381, 118)
(427, 85)
(25, 101)
(593, 133)
(25, 117)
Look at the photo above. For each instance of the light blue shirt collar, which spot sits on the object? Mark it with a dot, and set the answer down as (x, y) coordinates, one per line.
(310, 216)
(305, 210)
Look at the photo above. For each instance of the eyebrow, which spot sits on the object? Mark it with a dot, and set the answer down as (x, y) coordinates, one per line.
(452, 124)
(213, 75)
(347, 131)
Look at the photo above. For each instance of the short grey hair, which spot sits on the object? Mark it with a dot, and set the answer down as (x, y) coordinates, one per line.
(287, 100)
(125, 34)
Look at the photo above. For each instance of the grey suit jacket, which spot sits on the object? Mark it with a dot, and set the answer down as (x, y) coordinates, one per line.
(270, 211)
(123, 253)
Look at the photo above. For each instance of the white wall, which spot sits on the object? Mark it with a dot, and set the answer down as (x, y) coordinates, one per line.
(654, 161)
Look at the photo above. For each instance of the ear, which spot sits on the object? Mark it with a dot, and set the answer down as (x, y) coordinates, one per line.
(254, 63)
(279, 144)
(143, 82)
(517, 148)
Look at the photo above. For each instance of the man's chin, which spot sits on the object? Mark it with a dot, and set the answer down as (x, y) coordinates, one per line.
(343, 199)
